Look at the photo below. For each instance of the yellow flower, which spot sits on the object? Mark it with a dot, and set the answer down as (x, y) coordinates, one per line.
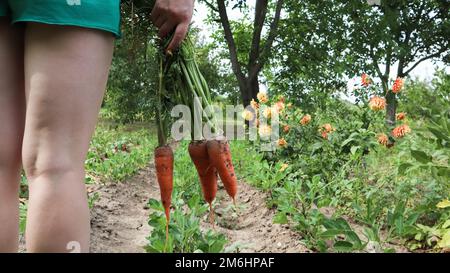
(377, 103)
(383, 139)
(290, 105)
(262, 97)
(254, 104)
(248, 115)
(305, 120)
(282, 142)
(267, 113)
(443, 204)
(265, 130)
(284, 166)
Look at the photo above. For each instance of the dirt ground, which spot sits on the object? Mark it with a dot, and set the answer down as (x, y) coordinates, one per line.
(119, 219)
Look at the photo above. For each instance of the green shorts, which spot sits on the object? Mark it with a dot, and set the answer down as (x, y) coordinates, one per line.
(96, 14)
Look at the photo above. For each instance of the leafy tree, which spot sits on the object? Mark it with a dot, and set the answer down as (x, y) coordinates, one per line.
(407, 32)
(323, 40)
(134, 69)
(421, 96)
(309, 64)
(260, 49)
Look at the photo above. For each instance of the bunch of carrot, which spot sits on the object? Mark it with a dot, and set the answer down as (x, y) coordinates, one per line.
(181, 82)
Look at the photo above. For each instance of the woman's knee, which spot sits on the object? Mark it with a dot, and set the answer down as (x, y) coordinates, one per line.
(52, 163)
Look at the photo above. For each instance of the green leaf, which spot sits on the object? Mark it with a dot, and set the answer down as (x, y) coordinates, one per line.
(421, 156)
(354, 149)
(280, 218)
(316, 146)
(389, 250)
(343, 224)
(438, 134)
(354, 238)
(331, 233)
(347, 141)
(155, 204)
(343, 246)
(445, 242)
(443, 171)
(403, 168)
(446, 224)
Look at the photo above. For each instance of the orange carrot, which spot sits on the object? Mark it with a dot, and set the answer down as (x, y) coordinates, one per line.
(206, 172)
(220, 156)
(164, 173)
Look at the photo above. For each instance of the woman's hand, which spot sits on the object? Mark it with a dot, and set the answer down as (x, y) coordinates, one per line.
(173, 15)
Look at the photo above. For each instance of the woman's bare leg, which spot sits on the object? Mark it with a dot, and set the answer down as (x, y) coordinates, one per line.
(12, 119)
(66, 70)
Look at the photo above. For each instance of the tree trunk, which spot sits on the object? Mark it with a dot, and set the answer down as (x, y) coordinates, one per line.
(248, 82)
(243, 89)
(391, 108)
(253, 89)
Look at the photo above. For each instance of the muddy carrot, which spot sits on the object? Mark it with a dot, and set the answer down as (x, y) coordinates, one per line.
(206, 172)
(220, 156)
(164, 173)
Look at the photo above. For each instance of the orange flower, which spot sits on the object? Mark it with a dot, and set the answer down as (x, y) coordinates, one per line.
(281, 99)
(305, 120)
(365, 80)
(383, 139)
(401, 131)
(398, 85)
(262, 97)
(282, 142)
(279, 106)
(325, 130)
(254, 104)
(377, 103)
(401, 116)
(328, 128)
(286, 128)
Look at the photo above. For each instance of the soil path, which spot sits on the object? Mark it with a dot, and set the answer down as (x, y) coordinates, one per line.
(119, 218)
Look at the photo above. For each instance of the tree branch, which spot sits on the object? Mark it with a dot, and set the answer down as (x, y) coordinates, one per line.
(258, 24)
(388, 61)
(435, 55)
(269, 42)
(237, 69)
(375, 62)
(211, 5)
